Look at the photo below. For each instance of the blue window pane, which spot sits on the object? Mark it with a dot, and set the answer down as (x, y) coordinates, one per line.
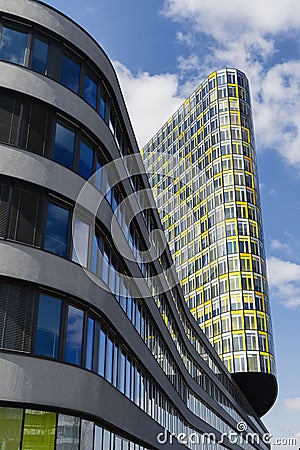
(102, 104)
(13, 45)
(86, 159)
(121, 384)
(70, 73)
(64, 145)
(95, 250)
(102, 348)
(48, 326)
(90, 344)
(57, 229)
(90, 91)
(109, 359)
(73, 351)
(98, 175)
(39, 55)
(115, 366)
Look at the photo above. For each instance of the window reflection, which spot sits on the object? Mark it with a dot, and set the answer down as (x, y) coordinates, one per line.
(39, 430)
(80, 242)
(39, 55)
(90, 90)
(57, 229)
(67, 432)
(70, 72)
(74, 335)
(13, 45)
(90, 344)
(64, 145)
(86, 159)
(48, 326)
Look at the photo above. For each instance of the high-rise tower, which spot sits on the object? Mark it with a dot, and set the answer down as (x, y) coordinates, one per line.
(202, 168)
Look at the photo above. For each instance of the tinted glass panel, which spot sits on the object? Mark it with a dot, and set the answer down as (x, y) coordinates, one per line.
(39, 55)
(10, 428)
(67, 432)
(64, 145)
(109, 360)
(57, 229)
(80, 242)
(48, 326)
(90, 344)
(98, 438)
(98, 174)
(86, 159)
(102, 105)
(90, 91)
(87, 435)
(13, 45)
(74, 335)
(102, 348)
(70, 73)
(39, 430)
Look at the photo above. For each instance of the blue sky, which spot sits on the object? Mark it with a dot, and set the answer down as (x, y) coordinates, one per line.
(162, 49)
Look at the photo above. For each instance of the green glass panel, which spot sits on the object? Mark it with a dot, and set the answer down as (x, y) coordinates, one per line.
(39, 430)
(10, 428)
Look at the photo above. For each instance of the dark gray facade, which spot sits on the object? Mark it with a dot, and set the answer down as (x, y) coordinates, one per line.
(97, 347)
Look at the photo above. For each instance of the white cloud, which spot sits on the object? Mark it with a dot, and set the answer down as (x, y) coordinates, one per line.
(245, 37)
(190, 63)
(185, 38)
(284, 279)
(232, 17)
(275, 244)
(151, 99)
(292, 405)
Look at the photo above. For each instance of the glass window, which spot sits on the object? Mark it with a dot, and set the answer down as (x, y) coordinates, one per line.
(13, 45)
(102, 105)
(102, 348)
(67, 437)
(128, 383)
(39, 55)
(98, 174)
(121, 384)
(48, 326)
(109, 359)
(115, 366)
(98, 438)
(64, 145)
(90, 344)
(10, 428)
(90, 90)
(39, 430)
(70, 72)
(106, 440)
(57, 229)
(87, 435)
(86, 159)
(80, 242)
(95, 254)
(74, 335)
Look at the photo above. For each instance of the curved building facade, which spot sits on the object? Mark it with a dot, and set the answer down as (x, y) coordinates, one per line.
(98, 349)
(202, 168)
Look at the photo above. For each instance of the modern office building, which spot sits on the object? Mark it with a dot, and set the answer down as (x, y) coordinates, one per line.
(202, 168)
(98, 349)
